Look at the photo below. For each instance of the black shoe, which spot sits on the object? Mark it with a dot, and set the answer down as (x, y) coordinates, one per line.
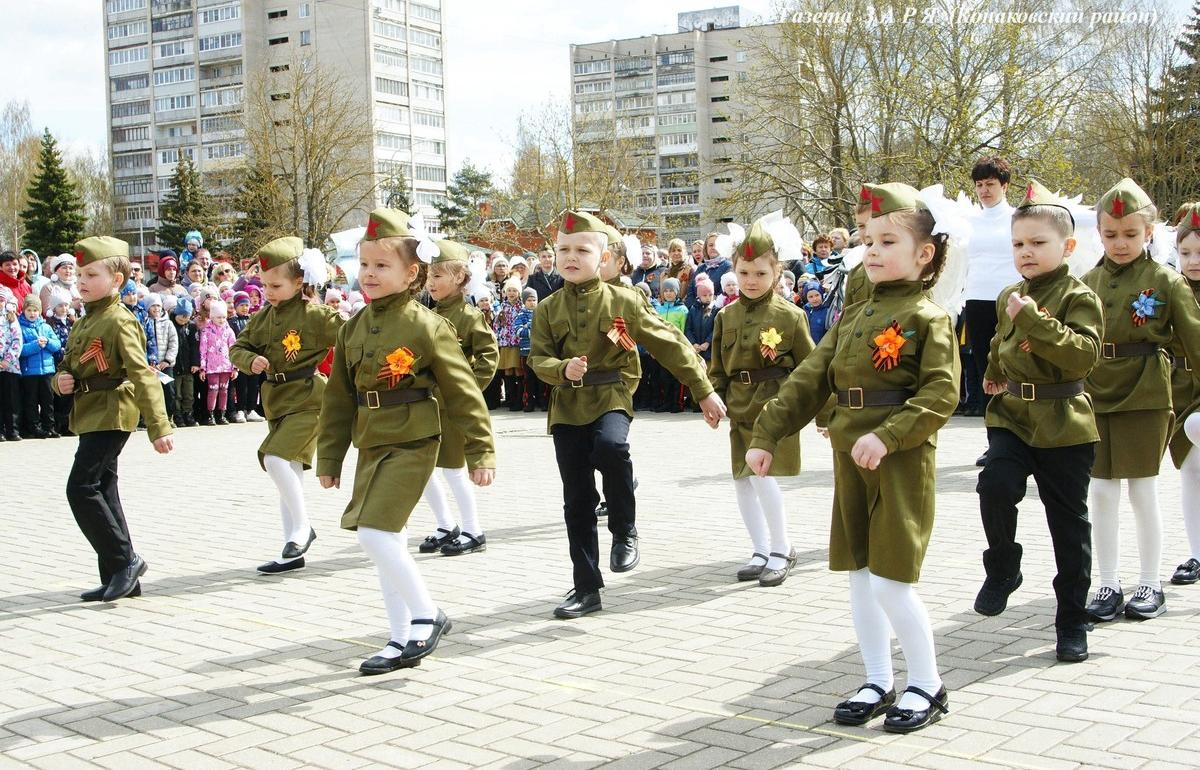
(1186, 573)
(294, 550)
(52, 433)
(191, 420)
(36, 433)
(275, 568)
(414, 651)
(854, 712)
(774, 577)
(384, 665)
(602, 509)
(472, 545)
(1146, 603)
(210, 420)
(624, 555)
(752, 571)
(982, 461)
(900, 720)
(123, 583)
(221, 420)
(1072, 646)
(12, 435)
(992, 598)
(1106, 604)
(434, 542)
(97, 594)
(2, 438)
(577, 604)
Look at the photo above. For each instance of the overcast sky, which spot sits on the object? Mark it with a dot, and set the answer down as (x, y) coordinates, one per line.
(502, 57)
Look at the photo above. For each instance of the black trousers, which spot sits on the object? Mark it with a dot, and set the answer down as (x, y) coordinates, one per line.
(10, 401)
(1062, 475)
(581, 450)
(980, 317)
(92, 494)
(244, 392)
(37, 404)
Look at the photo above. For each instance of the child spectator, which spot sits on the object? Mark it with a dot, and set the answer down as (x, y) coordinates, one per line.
(166, 342)
(505, 326)
(10, 371)
(245, 387)
(533, 386)
(216, 370)
(699, 329)
(668, 393)
(818, 313)
(187, 363)
(61, 284)
(729, 290)
(61, 320)
(39, 343)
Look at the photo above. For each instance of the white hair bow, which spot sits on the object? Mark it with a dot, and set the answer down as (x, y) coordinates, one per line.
(316, 269)
(633, 247)
(427, 249)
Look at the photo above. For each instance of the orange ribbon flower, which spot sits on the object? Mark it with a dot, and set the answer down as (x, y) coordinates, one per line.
(399, 365)
(291, 344)
(887, 347)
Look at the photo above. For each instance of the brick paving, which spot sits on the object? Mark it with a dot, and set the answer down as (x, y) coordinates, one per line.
(218, 667)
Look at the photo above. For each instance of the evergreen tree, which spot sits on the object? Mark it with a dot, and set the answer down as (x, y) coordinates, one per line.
(186, 207)
(460, 214)
(1165, 160)
(395, 192)
(259, 201)
(54, 216)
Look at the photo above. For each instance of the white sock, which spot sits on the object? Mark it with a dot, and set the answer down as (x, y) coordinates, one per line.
(464, 494)
(398, 572)
(287, 477)
(874, 636)
(436, 499)
(752, 516)
(1106, 530)
(1189, 484)
(770, 500)
(1143, 496)
(906, 612)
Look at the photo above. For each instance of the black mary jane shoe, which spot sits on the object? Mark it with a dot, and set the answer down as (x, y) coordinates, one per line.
(752, 571)
(414, 650)
(97, 594)
(900, 720)
(769, 578)
(1187, 573)
(856, 712)
(295, 550)
(433, 543)
(381, 664)
(472, 545)
(277, 568)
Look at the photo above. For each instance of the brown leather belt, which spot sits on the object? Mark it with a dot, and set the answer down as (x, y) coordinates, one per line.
(1128, 349)
(99, 383)
(755, 376)
(1181, 362)
(857, 398)
(1029, 391)
(373, 399)
(596, 378)
(292, 376)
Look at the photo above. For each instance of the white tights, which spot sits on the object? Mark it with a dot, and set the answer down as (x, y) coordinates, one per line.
(288, 476)
(1106, 529)
(879, 605)
(404, 593)
(761, 503)
(1190, 485)
(464, 494)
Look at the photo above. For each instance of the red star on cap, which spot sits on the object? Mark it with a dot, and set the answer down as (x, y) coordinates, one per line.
(262, 262)
(1029, 192)
(749, 250)
(1118, 208)
(569, 223)
(1195, 218)
(79, 254)
(864, 194)
(876, 204)
(372, 227)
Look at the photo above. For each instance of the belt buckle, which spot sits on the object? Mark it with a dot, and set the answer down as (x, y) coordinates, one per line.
(279, 377)
(84, 387)
(576, 383)
(1187, 365)
(372, 397)
(850, 394)
(1030, 389)
(1108, 350)
(744, 377)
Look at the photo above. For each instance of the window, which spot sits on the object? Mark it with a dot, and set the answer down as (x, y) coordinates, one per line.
(277, 40)
(221, 13)
(395, 6)
(392, 167)
(130, 82)
(427, 91)
(177, 131)
(427, 39)
(429, 146)
(128, 187)
(634, 63)
(429, 173)
(220, 123)
(635, 84)
(223, 151)
(221, 97)
(127, 56)
(391, 113)
(128, 29)
(425, 13)
(279, 14)
(165, 184)
(217, 42)
(391, 87)
(430, 199)
(137, 213)
(742, 57)
(180, 102)
(174, 48)
(676, 57)
(130, 109)
(677, 119)
(390, 31)
(594, 67)
(680, 199)
(676, 79)
(723, 180)
(389, 58)
(676, 99)
(282, 96)
(174, 75)
(635, 102)
(392, 141)
(593, 87)
(720, 119)
(121, 6)
(719, 79)
(305, 10)
(171, 23)
(586, 108)
(429, 119)
(720, 140)
(716, 99)
(718, 58)
(216, 71)
(131, 160)
(131, 134)
(427, 65)
(641, 121)
(306, 37)
(673, 140)
(175, 153)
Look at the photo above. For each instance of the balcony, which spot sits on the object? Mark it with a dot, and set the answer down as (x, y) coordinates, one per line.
(141, 144)
(164, 7)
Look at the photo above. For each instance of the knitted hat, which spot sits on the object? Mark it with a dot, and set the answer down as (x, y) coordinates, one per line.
(240, 297)
(99, 247)
(387, 223)
(333, 294)
(516, 262)
(193, 235)
(58, 294)
(218, 309)
(166, 263)
(152, 300)
(512, 283)
(528, 293)
(670, 284)
(60, 260)
(33, 303)
(1123, 199)
(183, 307)
(169, 301)
(813, 286)
(500, 260)
(129, 288)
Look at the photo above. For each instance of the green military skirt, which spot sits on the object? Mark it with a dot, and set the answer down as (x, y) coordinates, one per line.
(292, 437)
(388, 482)
(882, 519)
(1131, 443)
(785, 462)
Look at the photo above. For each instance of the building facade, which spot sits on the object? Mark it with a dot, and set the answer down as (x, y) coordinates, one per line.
(178, 73)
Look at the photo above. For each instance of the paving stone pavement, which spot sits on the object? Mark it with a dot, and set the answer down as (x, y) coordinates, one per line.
(219, 667)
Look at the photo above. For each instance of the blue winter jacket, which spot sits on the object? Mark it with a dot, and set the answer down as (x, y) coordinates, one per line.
(35, 359)
(524, 323)
(699, 328)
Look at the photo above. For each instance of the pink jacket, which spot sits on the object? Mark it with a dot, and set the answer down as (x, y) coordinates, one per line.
(215, 342)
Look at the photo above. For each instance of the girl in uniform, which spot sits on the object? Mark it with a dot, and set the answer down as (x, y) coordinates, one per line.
(1185, 395)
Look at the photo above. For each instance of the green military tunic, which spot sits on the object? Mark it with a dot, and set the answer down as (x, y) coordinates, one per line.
(575, 321)
(478, 344)
(1185, 391)
(737, 348)
(858, 286)
(292, 408)
(633, 375)
(1064, 330)
(881, 518)
(108, 342)
(1132, 395)
(397, 444)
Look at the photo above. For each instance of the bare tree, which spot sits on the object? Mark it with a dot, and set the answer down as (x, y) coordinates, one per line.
(93, 178)
(19, 145)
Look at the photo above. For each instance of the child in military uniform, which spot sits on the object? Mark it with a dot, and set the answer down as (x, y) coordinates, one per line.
(1146, 306)
(447, 285)
(1185, 395)
(389, 359)
(583, 342)
(892, 363)
(287, 340)
(757, 342)
(105, 367)
(1039, 420)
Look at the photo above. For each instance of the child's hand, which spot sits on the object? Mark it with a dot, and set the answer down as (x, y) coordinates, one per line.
(164, 445)
(41, 342)
(330, 482)
(759, 461)
(233, 375)
(66, 383)
(868, 451)
(713, 408)
(195, 369)
(483, 477)
(259, 365)
(994, 388)
(201, 375)
(576, 368)
(1015, 303)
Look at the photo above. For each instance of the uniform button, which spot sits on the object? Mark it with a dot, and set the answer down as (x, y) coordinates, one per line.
(374, 330)
(857, 334)
(1112, 285)
(870, 311)
(370, 354)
